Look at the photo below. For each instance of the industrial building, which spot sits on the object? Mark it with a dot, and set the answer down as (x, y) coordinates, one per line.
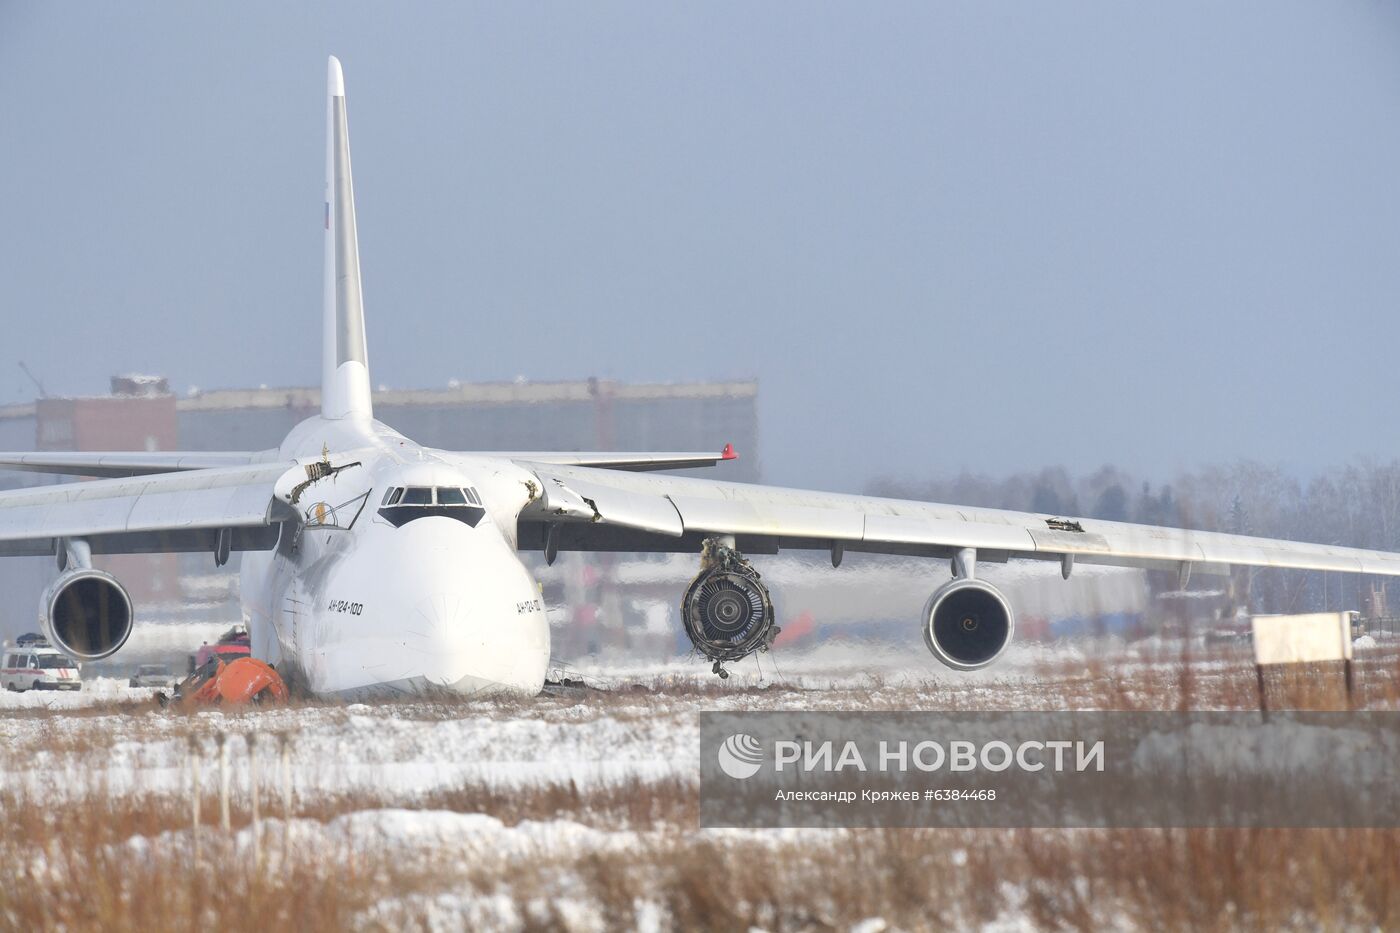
(142, 414)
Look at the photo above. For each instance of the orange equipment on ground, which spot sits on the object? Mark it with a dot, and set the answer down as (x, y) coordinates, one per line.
(216, 683)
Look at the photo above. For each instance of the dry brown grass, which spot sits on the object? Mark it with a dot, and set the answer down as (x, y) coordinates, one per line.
(93, 878)
(75, 867)
(957, 879)
(630, 804)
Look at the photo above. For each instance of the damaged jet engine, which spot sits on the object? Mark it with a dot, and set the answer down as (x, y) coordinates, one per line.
(727, 612)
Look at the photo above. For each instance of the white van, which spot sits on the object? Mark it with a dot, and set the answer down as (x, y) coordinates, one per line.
(31, 664)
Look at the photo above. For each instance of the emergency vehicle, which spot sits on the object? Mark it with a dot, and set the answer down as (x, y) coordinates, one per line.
(31, 663)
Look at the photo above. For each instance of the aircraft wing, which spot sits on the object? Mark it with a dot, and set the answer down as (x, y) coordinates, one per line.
(637, 462)
(121, 463)
(591, 509)
(174, 511)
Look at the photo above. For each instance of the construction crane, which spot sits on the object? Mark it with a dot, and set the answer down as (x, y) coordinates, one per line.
(34, 379)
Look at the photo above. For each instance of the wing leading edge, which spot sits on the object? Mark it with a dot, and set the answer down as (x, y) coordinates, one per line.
(621, 511)
(171, 511)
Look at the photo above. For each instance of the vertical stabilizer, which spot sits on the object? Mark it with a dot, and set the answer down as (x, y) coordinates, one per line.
(344, 362)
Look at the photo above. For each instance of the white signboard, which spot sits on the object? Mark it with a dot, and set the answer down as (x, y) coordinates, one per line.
(1300, 639)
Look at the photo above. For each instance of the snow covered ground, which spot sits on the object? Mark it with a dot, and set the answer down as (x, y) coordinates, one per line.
(632, 722)
(506, 814)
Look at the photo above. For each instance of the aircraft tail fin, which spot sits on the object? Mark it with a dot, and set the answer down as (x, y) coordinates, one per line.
(345, 387)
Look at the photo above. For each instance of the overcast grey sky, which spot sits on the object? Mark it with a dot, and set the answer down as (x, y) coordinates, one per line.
(943, 235)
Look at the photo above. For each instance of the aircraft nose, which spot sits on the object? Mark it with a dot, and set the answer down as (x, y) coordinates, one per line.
(470, 646)
(433, 605)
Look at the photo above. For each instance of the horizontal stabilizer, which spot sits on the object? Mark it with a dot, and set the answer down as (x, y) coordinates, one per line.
(634, 461)
(121, 463)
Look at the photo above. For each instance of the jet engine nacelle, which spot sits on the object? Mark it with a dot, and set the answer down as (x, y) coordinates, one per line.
(86, 614)
(727, 612)
(967, 624)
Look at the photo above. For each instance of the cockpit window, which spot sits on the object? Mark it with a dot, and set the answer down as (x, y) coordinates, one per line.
(403, 504)
(417, 495)
(450, 495)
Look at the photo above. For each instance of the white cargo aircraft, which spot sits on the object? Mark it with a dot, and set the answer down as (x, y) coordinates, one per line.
(373, 565)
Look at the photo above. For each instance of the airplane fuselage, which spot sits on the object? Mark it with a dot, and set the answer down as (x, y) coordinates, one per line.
(405, 576)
